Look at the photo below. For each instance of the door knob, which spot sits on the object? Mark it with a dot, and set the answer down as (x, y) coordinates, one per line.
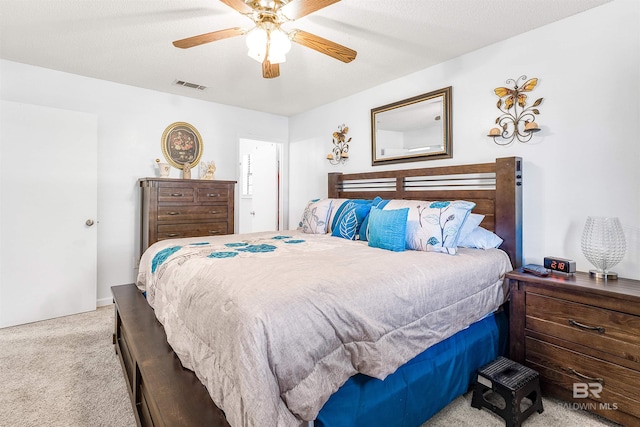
(89, 222)
(252, 213)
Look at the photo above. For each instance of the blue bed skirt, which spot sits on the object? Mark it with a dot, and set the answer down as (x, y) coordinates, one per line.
(421, 387)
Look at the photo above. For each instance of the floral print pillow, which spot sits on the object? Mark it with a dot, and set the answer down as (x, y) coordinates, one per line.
(434, 226)
(315, 217)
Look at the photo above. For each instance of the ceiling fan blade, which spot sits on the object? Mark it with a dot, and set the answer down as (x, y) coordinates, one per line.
(269, 70)
(238, 5)
(296, 9)
(325, 46)
(208, 37)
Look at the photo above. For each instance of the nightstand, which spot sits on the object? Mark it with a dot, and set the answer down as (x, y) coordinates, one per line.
(583, 336)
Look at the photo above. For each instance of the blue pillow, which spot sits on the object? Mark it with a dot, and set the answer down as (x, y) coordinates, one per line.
(388, 228)
(349, 218)
(379, 202)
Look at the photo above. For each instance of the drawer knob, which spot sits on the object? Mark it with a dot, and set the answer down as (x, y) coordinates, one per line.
(586, 377)
(173, 213)
(173, 234)
(177, 194)
(213, 194)
(214, 232)
(213, 212)
(600, 329)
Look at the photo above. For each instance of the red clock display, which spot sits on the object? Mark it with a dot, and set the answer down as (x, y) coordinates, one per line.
(560, 264)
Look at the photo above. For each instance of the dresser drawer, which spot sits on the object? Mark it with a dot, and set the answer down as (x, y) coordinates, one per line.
(213, 194)
(171, 231)
(173, 194)
(191, 213)
(609, 331)
(565, 368)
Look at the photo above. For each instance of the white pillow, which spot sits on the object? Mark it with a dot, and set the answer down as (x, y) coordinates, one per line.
(315, 217)
(481, 238)
(472, 222)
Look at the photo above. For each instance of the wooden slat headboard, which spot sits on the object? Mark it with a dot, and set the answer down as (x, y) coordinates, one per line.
(495, 188)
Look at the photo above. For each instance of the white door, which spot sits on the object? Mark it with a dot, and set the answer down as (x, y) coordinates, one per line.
(264, 164)
(48, 201)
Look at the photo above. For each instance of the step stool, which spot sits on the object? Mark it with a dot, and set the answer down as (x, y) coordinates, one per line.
(513, 382)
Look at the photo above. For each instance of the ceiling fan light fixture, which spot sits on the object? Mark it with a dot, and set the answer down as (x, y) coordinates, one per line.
(277, 40)
(279, 46)
(257, 43)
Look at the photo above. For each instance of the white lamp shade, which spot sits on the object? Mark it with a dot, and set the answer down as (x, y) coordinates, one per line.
(279, 47)
(257, 43)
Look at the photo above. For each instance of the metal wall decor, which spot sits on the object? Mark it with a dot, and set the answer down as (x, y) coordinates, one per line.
(517, 120)
(340, 151)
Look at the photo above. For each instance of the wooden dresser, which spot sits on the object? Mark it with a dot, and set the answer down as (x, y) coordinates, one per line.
(583, 336)
(173, 208)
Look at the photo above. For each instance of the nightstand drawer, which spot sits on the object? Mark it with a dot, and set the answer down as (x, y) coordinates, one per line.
(565, 368)
(605, 330)
(171, 231)
(191, 213)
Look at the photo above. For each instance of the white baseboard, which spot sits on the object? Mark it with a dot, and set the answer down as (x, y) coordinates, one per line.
(104, 301)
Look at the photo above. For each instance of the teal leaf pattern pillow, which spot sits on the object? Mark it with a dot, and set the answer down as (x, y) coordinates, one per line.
(434, 226)
(349, 217)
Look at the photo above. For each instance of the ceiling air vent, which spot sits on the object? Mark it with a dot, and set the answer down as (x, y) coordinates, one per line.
(191, 85)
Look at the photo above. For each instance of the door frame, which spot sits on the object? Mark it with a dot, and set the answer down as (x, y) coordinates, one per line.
(282, 185)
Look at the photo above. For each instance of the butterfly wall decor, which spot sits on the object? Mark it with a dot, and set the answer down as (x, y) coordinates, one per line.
(340, 151)
(517, 120)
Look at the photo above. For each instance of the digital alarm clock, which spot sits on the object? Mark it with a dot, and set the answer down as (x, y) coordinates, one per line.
(562, 265)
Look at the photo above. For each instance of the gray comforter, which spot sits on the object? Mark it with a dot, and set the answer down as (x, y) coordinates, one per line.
(274, 324)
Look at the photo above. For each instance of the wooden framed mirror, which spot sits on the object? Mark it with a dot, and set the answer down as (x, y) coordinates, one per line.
(414, 129)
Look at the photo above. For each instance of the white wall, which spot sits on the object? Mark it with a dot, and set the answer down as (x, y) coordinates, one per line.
(130, 125)
(585, 161)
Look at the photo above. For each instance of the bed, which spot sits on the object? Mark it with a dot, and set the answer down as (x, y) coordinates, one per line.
(305, 324)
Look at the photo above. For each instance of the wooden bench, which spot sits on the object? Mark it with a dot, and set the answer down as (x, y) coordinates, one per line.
(162, 392)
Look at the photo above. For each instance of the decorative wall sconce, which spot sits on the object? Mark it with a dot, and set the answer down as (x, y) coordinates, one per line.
(514, 124)
(340, 151)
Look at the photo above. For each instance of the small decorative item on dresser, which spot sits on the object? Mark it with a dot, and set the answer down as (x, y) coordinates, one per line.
(163, 169)
(603, 244)
(207, 170)
(186, 171)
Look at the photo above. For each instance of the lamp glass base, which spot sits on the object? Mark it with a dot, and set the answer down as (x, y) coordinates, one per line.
(606, 275)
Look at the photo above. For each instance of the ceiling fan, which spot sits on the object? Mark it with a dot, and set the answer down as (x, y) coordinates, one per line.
(268, 43)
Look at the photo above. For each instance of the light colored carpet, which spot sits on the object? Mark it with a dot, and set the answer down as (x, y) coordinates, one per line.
(64, 373)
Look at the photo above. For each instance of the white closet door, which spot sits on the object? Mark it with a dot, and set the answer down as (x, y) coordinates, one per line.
(48, 196)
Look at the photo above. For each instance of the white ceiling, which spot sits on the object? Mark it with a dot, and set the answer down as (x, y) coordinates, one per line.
(129, 42)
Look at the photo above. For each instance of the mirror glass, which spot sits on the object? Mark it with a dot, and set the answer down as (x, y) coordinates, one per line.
(413, 129)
